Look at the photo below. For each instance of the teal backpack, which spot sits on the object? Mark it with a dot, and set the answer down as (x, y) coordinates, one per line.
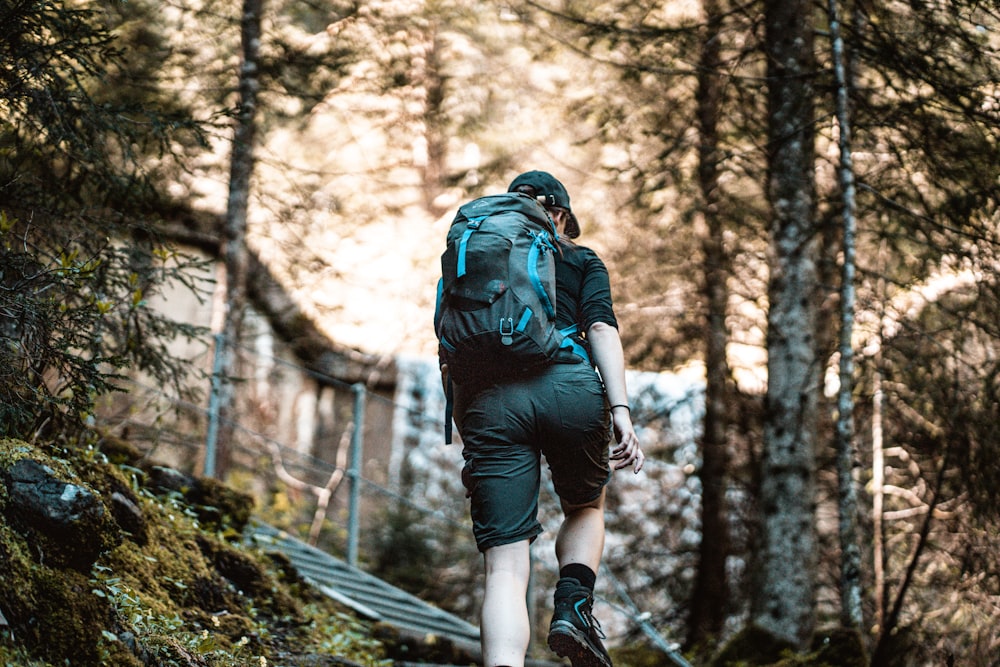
(496, 304)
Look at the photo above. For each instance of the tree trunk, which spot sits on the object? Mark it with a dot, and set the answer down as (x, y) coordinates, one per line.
(783, 594)
(432, 80)
(710, 595)
(878, 497)
(847, 499)
(234, 250)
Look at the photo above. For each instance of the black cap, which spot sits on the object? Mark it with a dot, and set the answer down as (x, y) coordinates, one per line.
(550, 192)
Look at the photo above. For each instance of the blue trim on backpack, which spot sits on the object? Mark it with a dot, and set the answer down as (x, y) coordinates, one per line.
(464, 242)
(525, 318)
(570, 343)
(541, 241)
(437, 307)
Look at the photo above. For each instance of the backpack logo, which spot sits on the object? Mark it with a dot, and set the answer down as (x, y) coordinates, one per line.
(495, 312)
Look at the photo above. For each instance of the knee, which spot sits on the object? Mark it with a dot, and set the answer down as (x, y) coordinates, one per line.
(508, 560)
(572, 508)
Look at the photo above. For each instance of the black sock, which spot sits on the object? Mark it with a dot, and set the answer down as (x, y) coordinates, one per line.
(581, 573)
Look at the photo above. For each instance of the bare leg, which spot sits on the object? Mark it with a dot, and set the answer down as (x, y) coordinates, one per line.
(581, 536)
(504, 626)
(573, 632)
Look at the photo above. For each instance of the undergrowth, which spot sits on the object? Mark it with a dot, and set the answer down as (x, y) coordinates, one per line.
(179, 588)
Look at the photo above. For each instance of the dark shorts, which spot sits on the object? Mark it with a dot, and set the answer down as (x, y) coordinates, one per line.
(560, 413)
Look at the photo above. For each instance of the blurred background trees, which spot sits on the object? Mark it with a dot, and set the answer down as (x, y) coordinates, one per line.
(377, 119)
(83, 140)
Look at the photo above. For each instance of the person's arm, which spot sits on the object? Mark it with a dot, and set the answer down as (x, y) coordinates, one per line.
(606, 348)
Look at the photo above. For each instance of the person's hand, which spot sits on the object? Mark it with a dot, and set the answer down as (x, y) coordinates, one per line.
(627, 451)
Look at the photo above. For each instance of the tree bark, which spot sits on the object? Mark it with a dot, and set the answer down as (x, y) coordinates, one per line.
(711, 591)
(435, 132)
(878, 498)
(234, 250)
(783, 597)
(847, 499)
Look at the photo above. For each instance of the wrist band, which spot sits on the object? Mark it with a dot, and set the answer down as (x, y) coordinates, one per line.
(621, 405)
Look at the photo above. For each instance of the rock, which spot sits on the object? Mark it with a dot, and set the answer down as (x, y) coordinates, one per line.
(129, 517)
(134, 646)
(119, 451)
(165, 480)
(68, 519)
(219, 506)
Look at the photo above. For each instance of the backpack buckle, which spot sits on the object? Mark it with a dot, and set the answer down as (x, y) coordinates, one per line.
(507, 330)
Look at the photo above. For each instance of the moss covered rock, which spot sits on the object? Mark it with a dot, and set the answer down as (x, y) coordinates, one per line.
(61, 519)
(752, 646)
(837, 647)
(145, 579)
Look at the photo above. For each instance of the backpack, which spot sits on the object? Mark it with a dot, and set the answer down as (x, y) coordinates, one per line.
(496, 298)
(496, 304)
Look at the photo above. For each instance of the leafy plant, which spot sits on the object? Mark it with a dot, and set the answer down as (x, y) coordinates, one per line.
(78, 249)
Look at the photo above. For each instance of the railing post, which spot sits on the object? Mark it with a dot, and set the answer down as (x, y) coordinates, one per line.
(357, 445)
(212, 436)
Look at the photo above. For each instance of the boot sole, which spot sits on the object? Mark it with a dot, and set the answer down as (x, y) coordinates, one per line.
(567, 641)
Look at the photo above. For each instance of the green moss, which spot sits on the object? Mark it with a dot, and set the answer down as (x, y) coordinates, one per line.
(248, 576)
(182, 595)
(12, 450)
(53, 612)
(118, 451)
(220, 507)
(11, 654)
(841, 647)
(637, 655)
(753, 646)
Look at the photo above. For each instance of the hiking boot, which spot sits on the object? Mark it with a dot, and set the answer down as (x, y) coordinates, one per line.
(574, 632)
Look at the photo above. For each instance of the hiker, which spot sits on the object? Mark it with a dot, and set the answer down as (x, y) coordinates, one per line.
(564, 411)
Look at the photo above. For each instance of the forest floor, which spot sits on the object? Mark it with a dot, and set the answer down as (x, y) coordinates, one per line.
(116, 561)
